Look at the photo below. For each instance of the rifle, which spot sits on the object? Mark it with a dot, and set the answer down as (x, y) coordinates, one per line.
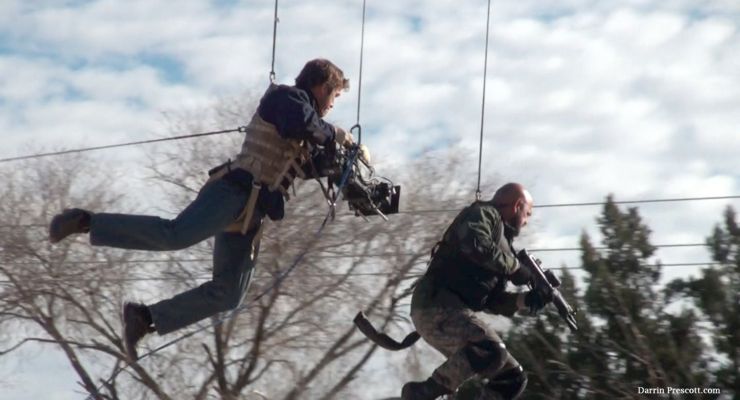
(547, 283)
(544, 281)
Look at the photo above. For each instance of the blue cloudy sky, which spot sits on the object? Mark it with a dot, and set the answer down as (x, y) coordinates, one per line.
(639, 98)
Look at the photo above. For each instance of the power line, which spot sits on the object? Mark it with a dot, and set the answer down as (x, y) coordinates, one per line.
(274, 42)
(585, 204)
(444, 210)
(483, 102)
(314, 275)
(328, 256)
(180, 279)
(667, 200)
(359, 75)
(666, 265)
(110, 146)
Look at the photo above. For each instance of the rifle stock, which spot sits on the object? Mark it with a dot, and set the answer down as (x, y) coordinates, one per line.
(541, 283)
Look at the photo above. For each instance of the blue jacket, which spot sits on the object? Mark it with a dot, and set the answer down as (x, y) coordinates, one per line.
(293, 111)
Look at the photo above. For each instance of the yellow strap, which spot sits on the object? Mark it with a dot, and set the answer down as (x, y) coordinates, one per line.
(249, 208)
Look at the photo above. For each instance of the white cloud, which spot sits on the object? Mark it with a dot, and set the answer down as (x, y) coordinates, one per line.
(638, 98)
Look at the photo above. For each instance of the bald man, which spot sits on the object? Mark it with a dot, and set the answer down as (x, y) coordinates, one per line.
(468, 273)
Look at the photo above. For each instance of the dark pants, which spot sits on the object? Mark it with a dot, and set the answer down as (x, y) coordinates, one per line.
(218, 205)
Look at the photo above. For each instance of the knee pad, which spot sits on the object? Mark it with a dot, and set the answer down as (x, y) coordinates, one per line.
(509, 383)
(485, 355)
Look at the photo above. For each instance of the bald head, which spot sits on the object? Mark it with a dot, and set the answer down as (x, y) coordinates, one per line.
(514, 203)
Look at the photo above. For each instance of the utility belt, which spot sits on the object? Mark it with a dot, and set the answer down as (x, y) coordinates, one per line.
(247, 218)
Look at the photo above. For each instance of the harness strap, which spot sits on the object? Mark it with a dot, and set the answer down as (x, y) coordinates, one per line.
(248, 211)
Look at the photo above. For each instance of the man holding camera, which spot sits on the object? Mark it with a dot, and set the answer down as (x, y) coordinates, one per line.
(468, 273)
(285, 136)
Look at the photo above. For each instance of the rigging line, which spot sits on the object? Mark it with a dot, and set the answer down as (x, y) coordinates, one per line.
(110, 146)
(666, 265)
(599, 203)
(445, 210)
(676, 199)
(362, 51)
(483, 103)
(318, 275)
(274, 43)
(62, 279)
(325, 256)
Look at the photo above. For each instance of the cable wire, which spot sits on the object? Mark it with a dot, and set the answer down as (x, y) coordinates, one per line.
(585, 204)
(483, 102)
(446, 210)
(274, 43)
(667, 200)
(63, 279)
(110, 146)
(362, 51)
(326, 256)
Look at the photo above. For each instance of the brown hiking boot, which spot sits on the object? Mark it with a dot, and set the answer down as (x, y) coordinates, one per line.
(70, 221)
(137, 322)
(430, 389)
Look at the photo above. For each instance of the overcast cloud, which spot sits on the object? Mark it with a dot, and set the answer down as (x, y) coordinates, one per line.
(636, 98)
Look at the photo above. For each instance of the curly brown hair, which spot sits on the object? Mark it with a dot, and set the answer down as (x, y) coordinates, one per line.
(321, 71)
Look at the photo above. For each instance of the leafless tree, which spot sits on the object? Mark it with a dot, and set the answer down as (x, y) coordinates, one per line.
(296, 341)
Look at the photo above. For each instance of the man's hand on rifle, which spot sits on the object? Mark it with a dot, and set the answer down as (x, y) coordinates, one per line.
(536, 300)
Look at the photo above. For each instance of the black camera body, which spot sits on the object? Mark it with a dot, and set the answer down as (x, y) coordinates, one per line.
(366, 198)
(364, 193)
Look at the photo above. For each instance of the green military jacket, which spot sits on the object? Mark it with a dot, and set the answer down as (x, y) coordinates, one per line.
(474, 259)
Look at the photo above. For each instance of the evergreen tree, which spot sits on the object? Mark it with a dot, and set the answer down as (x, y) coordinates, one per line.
(717, 294)
(626, 338)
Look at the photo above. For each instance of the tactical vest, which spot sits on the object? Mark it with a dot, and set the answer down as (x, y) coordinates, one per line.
(271, 159)
(473, 283)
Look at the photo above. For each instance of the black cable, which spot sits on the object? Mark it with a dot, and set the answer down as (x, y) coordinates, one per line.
(317, 275)
(274, 43)
(639, 201)
(362, 51)
(483, 105)
(444, 210)
(327, 256)
(599, 203)
(182, 278)
(667, 265)
(110, 146)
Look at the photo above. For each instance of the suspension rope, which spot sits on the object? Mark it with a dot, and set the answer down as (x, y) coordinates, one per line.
(446, 210)
(362, 50)
(357, 127)
(51, 280)
(274, 42)
(326, 255)
(110, 146)
(483, 103)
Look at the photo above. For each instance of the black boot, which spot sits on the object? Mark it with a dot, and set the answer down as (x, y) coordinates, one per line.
(427, 390)
(137, 322)
(70, 221)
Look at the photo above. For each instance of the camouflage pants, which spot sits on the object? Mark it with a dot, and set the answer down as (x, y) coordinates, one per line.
(454, 330)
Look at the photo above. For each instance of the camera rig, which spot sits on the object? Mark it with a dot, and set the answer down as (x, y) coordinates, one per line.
(365, 193)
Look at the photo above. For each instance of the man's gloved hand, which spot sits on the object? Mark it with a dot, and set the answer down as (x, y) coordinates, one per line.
(343, 137)
(365, 154)
(535, 300)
